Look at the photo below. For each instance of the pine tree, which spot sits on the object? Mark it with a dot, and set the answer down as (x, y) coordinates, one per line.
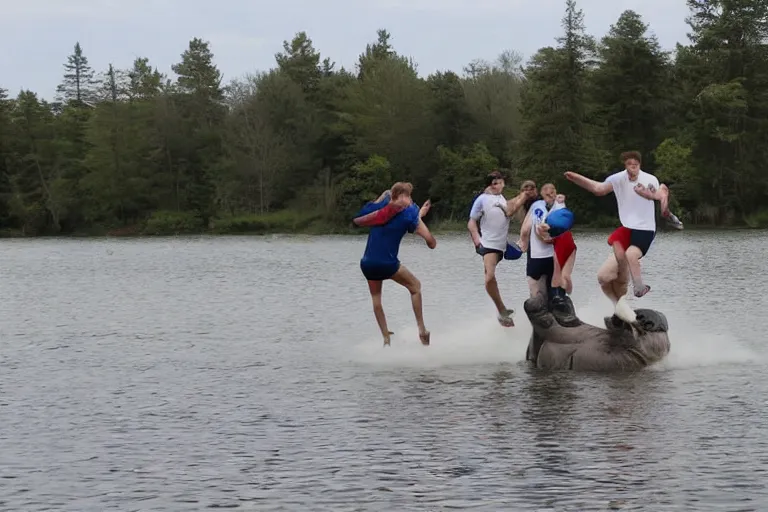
(79, 85)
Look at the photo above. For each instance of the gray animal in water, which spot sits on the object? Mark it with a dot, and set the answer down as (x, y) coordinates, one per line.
(561, 341)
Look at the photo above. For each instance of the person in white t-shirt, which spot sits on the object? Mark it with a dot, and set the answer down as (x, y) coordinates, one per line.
(540, 266)
(488, 226)
(563, 248)
(635, 192)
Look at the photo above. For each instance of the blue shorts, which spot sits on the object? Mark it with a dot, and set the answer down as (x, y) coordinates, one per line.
(379, 271)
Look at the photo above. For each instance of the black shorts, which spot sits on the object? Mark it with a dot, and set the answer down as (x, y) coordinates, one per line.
(482, 251)
(537, 267)
(642, 240)
(379, 271)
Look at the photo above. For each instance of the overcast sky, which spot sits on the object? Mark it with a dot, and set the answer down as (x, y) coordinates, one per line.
(37, 35)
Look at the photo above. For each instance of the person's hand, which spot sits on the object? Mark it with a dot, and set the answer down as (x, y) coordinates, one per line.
(476, 241)
(522, 245)
(424, 208)
(570, 176)
(642, 191)
(560, 198)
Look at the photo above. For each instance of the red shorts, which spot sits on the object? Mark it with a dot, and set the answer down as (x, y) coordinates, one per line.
(564, 246)
(626, 237)
(622, 235)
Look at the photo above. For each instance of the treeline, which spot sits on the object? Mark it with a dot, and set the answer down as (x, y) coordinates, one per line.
(303, 145)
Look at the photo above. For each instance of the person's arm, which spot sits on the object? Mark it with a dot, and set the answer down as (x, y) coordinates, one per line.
(425, 208)
(597, 188)
(377, 213)
(655, 192)
(525, 232)
(474, 216)
(514, 204)
(423, 231)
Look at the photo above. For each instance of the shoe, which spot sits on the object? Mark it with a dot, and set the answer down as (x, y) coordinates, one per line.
(673, 221)
(641, 292)
(558, 302)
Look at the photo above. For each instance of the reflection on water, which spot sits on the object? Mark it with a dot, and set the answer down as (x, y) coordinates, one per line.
(192, 373)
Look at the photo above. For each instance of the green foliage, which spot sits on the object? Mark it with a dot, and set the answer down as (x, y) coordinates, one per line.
(459, 172)
(277, 222)
(303, 146)
(172, 223)
(365, 182)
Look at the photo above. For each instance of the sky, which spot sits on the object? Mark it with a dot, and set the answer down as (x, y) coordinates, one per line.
(244, 35)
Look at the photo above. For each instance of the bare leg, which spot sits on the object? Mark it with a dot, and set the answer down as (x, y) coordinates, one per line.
(613, 279)
(405, 278)
(375, 287)
(621, 257)
(538, 287)
(606, 276)
(491, 285)
(616, 288)
(566, 272)
(621, 283)
(633, 262)
(557, 275)
(492, 288)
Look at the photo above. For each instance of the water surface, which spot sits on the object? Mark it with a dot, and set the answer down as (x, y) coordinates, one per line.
(247, 372)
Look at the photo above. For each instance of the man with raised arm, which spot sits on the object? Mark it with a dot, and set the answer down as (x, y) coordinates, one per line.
(488, 226)
(635, 191)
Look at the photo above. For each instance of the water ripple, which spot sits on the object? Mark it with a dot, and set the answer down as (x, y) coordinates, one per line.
(246, 374)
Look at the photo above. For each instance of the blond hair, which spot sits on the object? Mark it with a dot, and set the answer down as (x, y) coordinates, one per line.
(401, 188)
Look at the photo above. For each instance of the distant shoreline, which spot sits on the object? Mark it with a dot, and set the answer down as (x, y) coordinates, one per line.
(313, 229)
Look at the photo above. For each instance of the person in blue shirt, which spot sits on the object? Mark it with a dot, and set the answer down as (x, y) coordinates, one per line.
(380, 260)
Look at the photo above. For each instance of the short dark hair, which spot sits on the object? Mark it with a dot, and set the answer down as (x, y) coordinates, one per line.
(494, 175)
(630, 155)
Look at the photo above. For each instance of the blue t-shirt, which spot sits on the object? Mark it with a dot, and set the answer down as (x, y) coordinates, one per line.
(384, 241)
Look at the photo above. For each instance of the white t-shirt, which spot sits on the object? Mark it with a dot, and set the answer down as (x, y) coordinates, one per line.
(494, 223)
(538, 211)
(635, 211)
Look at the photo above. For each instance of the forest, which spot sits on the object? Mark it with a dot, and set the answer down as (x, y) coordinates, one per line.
(302, 146)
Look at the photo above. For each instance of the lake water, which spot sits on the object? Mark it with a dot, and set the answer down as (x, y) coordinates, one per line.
(248, 372)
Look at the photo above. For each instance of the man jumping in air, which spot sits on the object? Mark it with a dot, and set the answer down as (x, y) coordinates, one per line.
(635, 191)
(488, 226)
(390, 217)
